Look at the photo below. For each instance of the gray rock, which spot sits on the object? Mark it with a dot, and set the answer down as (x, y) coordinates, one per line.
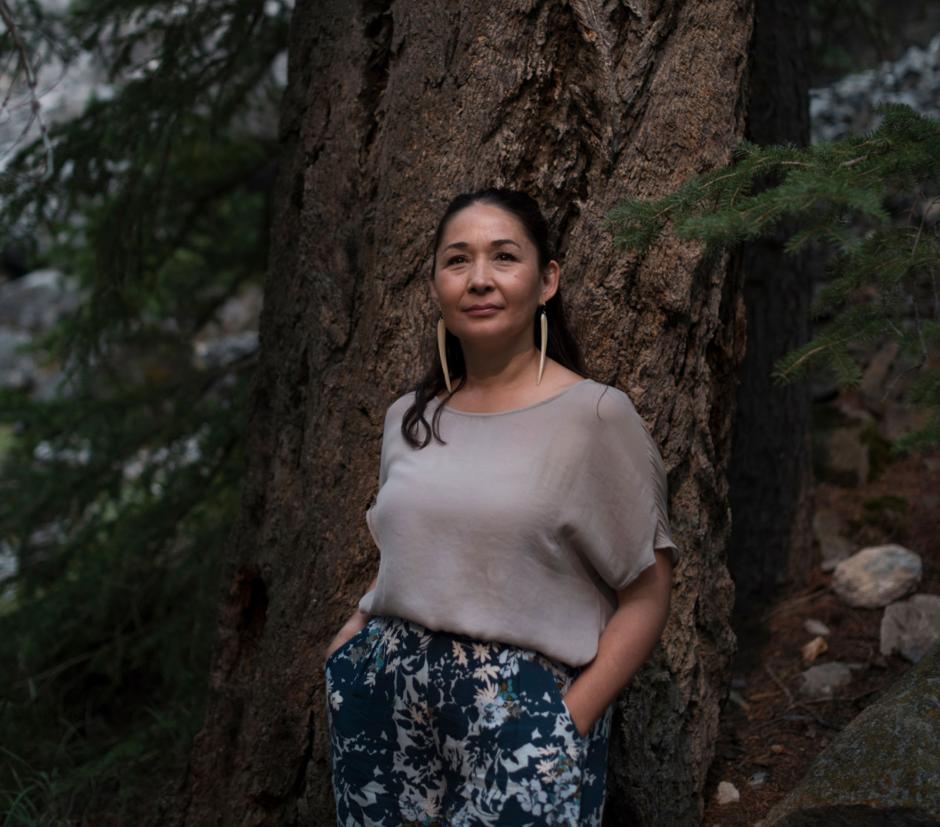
(223, 351)
(16, 366)
(846, 107)
(877, 575)
(758, 779)
(911, 627)
(38, 300)
(822, 680)
(882, 769)
(65, 88)
(239, 313)
(9, 566)
(815, 627)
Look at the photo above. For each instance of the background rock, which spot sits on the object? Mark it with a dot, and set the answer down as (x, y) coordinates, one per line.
(727, 793)
(815, 627)
(847, 106)
(822, 680)
(911, 627)
(882, 769)
(36, 301)
(877, 575)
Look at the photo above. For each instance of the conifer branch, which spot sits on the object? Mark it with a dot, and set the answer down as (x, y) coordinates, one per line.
(836, 191)
(119, 491)
(35, 106)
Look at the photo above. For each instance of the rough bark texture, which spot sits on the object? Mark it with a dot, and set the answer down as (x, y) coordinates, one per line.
(392, 108)
(771, 469)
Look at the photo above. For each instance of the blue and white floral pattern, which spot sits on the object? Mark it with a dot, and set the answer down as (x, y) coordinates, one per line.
(438, 729)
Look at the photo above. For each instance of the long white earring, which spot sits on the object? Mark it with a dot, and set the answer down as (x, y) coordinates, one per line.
(544, 345)
(442, 350)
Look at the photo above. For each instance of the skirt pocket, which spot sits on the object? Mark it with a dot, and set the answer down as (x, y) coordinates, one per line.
(347, 644)
(350, 682)
(558, 680)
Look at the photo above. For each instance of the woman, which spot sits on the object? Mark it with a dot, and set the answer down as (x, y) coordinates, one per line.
(525, 557)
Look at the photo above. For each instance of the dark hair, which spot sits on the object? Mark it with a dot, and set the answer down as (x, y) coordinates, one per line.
(562, 345)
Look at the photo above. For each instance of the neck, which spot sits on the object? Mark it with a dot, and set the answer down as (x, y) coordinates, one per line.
(494, 371)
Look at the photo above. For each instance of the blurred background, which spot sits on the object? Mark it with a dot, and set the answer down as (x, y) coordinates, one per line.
(138, 149)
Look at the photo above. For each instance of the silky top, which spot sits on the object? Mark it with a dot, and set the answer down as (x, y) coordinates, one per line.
(521, 528)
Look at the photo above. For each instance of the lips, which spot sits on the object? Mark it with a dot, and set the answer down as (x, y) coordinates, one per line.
(482, 307)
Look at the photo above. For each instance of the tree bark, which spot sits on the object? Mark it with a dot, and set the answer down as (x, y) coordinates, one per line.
(771, 468)
(393, 108)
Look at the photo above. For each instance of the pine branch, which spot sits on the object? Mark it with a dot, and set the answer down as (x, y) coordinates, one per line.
(25, 63)
(155, 209)
(835, 191)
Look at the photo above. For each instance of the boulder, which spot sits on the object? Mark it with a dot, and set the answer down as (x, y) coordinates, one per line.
(911, 627)
(876, 576)
(883, 769)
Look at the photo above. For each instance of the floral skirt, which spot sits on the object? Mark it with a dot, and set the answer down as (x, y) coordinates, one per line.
(439, 729)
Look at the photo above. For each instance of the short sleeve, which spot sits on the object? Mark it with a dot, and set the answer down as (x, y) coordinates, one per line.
(391, 434)
(391, 442)
(383, 459)
(618, 510)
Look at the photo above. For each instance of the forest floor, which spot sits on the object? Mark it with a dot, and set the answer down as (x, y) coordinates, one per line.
(773, 737)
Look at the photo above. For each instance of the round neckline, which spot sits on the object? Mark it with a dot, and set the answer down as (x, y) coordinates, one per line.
(538, 404)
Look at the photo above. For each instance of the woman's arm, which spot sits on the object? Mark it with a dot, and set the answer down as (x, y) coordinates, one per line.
(625, 644)
(356, 621)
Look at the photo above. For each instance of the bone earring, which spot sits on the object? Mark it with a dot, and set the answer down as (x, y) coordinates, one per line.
(544, 346)
(442, 350)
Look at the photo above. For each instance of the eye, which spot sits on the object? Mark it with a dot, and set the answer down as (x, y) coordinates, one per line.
(509, 256)
(454, 259)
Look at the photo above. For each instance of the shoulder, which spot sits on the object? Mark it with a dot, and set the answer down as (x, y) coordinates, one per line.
(396, 411)
(609, 403)
(403, 402)
(621, 441)
(611, 417)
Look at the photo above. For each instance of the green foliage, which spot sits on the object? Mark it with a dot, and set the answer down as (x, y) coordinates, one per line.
(118, 497)
(835, 192)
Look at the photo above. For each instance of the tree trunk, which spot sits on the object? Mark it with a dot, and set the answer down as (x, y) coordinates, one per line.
(393, 108)
(771, 469)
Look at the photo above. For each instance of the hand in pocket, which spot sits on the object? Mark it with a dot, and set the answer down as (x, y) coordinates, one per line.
(335, 647)
(573, 719)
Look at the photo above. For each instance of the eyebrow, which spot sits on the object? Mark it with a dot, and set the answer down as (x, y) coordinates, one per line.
(463, 244)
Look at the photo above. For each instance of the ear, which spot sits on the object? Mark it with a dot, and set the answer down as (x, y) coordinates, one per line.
(549, 281)
(434, 290)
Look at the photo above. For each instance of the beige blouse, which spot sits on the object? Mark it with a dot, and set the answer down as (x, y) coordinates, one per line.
(523, 526)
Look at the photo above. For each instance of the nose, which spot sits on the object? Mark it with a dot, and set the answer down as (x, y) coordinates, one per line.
(480, 277)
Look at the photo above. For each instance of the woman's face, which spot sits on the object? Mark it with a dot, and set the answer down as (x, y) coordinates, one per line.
(486, 258)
